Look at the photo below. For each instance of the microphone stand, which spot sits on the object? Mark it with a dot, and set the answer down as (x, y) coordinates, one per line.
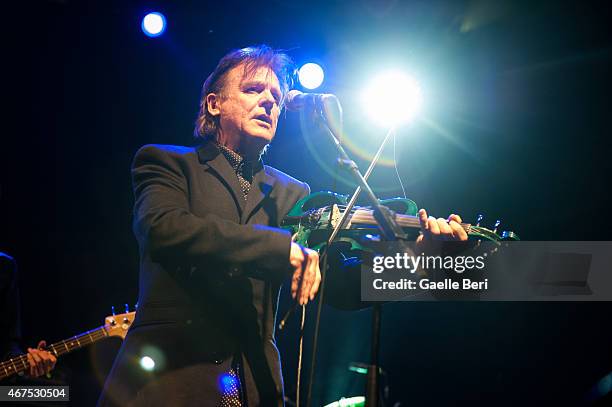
(330, 114)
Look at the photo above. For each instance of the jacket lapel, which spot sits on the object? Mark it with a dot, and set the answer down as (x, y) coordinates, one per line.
(261, 187)
(210, 155)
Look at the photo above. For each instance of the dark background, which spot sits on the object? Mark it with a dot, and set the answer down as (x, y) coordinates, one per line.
(516, 126)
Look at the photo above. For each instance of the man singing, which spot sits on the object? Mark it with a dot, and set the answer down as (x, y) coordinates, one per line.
(212, 256)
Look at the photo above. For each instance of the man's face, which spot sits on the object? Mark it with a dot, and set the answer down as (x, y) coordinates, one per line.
(248, 107)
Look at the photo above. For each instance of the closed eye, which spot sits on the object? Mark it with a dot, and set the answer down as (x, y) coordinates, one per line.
(253, 89)
(277, 97)
(258, 88)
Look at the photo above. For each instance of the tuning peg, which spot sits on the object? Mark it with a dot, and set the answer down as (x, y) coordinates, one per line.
(479, 218)
(127, 308)
(113, 309)
(497, 223)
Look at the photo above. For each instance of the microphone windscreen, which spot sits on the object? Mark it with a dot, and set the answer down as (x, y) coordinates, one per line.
(293, 101)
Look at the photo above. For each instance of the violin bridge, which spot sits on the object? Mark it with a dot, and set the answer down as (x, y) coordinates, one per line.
(335, 216)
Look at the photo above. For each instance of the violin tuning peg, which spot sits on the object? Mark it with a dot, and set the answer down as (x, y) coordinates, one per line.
(497, 223)
(127, 308)
(113, 309)
(479, 218)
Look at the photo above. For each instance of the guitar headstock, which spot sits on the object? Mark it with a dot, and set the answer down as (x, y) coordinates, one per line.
(118, 325)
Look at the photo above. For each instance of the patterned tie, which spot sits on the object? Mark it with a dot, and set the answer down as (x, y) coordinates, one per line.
(230, 389)
(230, 381)
(242, 168)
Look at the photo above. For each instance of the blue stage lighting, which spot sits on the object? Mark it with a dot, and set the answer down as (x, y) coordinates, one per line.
(154, 24)
(311, 75)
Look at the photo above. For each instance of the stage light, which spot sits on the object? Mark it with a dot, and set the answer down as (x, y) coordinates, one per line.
(311, 75)
(147, 363)
(392, 98)
(154, 24)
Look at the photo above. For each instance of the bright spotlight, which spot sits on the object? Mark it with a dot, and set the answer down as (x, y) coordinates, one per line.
(147, 363)
(154, 24)
(311, 75)
(393, 98)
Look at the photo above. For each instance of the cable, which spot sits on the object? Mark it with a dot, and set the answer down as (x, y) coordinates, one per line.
(299, 368)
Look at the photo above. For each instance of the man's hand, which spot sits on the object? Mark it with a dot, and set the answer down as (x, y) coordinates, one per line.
(306, 273)
(41, 361)
(439, 229)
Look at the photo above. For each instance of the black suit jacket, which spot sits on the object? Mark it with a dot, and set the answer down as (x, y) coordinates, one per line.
(211, 269)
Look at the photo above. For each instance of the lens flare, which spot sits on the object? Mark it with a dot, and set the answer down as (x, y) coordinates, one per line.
(147, 363)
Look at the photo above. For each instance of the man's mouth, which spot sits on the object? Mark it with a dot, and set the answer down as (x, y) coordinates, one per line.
(264, 118)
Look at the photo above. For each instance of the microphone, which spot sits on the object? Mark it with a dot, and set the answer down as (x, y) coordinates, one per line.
(296, 100)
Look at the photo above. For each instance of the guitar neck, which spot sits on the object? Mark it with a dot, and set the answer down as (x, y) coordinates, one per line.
(20, 363)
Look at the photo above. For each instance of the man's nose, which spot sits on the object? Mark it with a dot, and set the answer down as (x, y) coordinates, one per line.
(267, 100)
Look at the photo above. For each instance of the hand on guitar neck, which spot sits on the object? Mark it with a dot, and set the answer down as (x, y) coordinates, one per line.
(41, 362)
